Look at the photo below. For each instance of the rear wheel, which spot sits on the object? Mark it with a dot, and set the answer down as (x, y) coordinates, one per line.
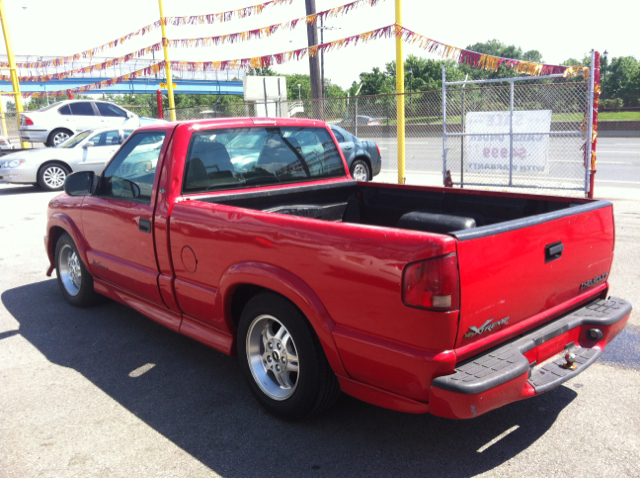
(51, 176)
(76, 284)
(59, 135)
(360, 171)
(282, 359)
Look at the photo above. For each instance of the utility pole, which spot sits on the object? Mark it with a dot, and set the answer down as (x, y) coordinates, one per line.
(314, 64)
(15, 83)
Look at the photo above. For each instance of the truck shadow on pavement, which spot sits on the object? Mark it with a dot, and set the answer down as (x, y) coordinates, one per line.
(21, 190)
(197, 398)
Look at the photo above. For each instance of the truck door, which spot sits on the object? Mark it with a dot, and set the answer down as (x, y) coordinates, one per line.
(118, 221)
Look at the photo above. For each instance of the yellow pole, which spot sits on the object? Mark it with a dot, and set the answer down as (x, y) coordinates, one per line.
(400, 96)
(12, 67)
(167, 64)
(3, 120)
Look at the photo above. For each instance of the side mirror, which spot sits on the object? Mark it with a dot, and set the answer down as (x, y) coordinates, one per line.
(82, 183)
(130, 115)
(89, 144)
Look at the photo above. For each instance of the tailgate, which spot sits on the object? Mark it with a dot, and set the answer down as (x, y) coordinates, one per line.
(515, 270)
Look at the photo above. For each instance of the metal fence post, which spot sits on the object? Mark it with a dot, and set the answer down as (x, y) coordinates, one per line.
(444, 124)
(589, 139)
(462, 137)
(511, 94)
(355, 117)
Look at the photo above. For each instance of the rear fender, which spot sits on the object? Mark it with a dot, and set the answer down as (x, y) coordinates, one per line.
(64, 222)
(291, 287)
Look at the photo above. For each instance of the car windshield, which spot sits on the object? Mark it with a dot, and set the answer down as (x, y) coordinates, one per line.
(74, 140)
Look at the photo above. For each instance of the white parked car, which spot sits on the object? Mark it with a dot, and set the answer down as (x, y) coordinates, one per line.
(5, 144)
(56, 123)
(48, 167)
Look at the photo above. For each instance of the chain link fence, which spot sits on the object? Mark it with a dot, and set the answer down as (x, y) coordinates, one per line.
(555, 163)
(523, 134)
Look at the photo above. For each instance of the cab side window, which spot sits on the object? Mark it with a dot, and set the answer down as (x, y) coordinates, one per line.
(131, 173)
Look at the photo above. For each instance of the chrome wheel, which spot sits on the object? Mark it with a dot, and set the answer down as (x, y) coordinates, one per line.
(69, 270)
(60, 137)
(54, 177)
(272, 357)
(360, 172)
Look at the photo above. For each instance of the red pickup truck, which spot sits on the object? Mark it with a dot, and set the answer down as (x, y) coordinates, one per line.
(250, 236)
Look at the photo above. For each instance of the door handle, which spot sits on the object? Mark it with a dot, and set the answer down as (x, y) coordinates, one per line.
(553, 251)
(144, 225)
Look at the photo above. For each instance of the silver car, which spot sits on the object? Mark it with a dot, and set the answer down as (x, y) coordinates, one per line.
(58, 122)
(48, 167)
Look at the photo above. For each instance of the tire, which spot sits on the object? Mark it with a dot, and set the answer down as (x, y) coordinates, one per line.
(74, 280)
(58, 135)
(360, 171)
(52, 175)
(272, 333)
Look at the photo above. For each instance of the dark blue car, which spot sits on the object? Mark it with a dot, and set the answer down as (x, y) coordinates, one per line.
(363, 156)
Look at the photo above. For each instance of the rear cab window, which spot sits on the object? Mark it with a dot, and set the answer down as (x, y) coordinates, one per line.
(236, 158)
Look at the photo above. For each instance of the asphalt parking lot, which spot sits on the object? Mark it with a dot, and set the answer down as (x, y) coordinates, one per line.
(106, 392)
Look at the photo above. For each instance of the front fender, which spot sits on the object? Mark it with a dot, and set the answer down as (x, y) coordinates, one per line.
(67, 224)
(291, 287)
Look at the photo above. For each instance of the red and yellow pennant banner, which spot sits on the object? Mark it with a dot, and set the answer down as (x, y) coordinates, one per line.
(150, 70)
(271, 29)
(203, 42)
(91, 68)
(483, 61)
(459, 55)
(175, 21)
(280, 58)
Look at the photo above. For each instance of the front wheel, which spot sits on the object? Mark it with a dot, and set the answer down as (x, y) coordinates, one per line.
(360, 171)
(76, 284)
(51, 177)
(282, 359)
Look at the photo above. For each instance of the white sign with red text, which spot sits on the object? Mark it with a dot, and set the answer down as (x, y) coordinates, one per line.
(487, 147)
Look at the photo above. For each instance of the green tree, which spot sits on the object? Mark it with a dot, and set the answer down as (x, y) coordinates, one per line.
(263, 72)
(623, 80)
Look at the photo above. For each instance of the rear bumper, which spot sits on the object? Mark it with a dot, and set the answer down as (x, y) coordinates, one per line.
(37, 136)
(518, 369)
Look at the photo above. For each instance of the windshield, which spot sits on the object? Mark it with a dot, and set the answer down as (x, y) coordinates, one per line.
(74, 140)
(247, 157)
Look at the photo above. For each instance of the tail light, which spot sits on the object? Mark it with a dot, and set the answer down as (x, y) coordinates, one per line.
(26, 121)
(432, 284)
(378, 148)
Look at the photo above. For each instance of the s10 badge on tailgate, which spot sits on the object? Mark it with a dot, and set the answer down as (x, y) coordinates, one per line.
(487, 326)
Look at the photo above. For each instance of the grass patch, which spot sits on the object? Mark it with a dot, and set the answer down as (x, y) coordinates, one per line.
(619, 115)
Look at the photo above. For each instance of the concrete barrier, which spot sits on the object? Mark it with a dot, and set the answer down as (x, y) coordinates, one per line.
(619, 129)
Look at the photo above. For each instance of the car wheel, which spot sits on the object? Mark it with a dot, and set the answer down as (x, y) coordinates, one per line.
(74, 280)
(58, 136)
(360, 171)
(282, 359)
(51, 177)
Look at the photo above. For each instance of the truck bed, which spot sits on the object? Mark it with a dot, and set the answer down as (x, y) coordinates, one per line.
(443, 210)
